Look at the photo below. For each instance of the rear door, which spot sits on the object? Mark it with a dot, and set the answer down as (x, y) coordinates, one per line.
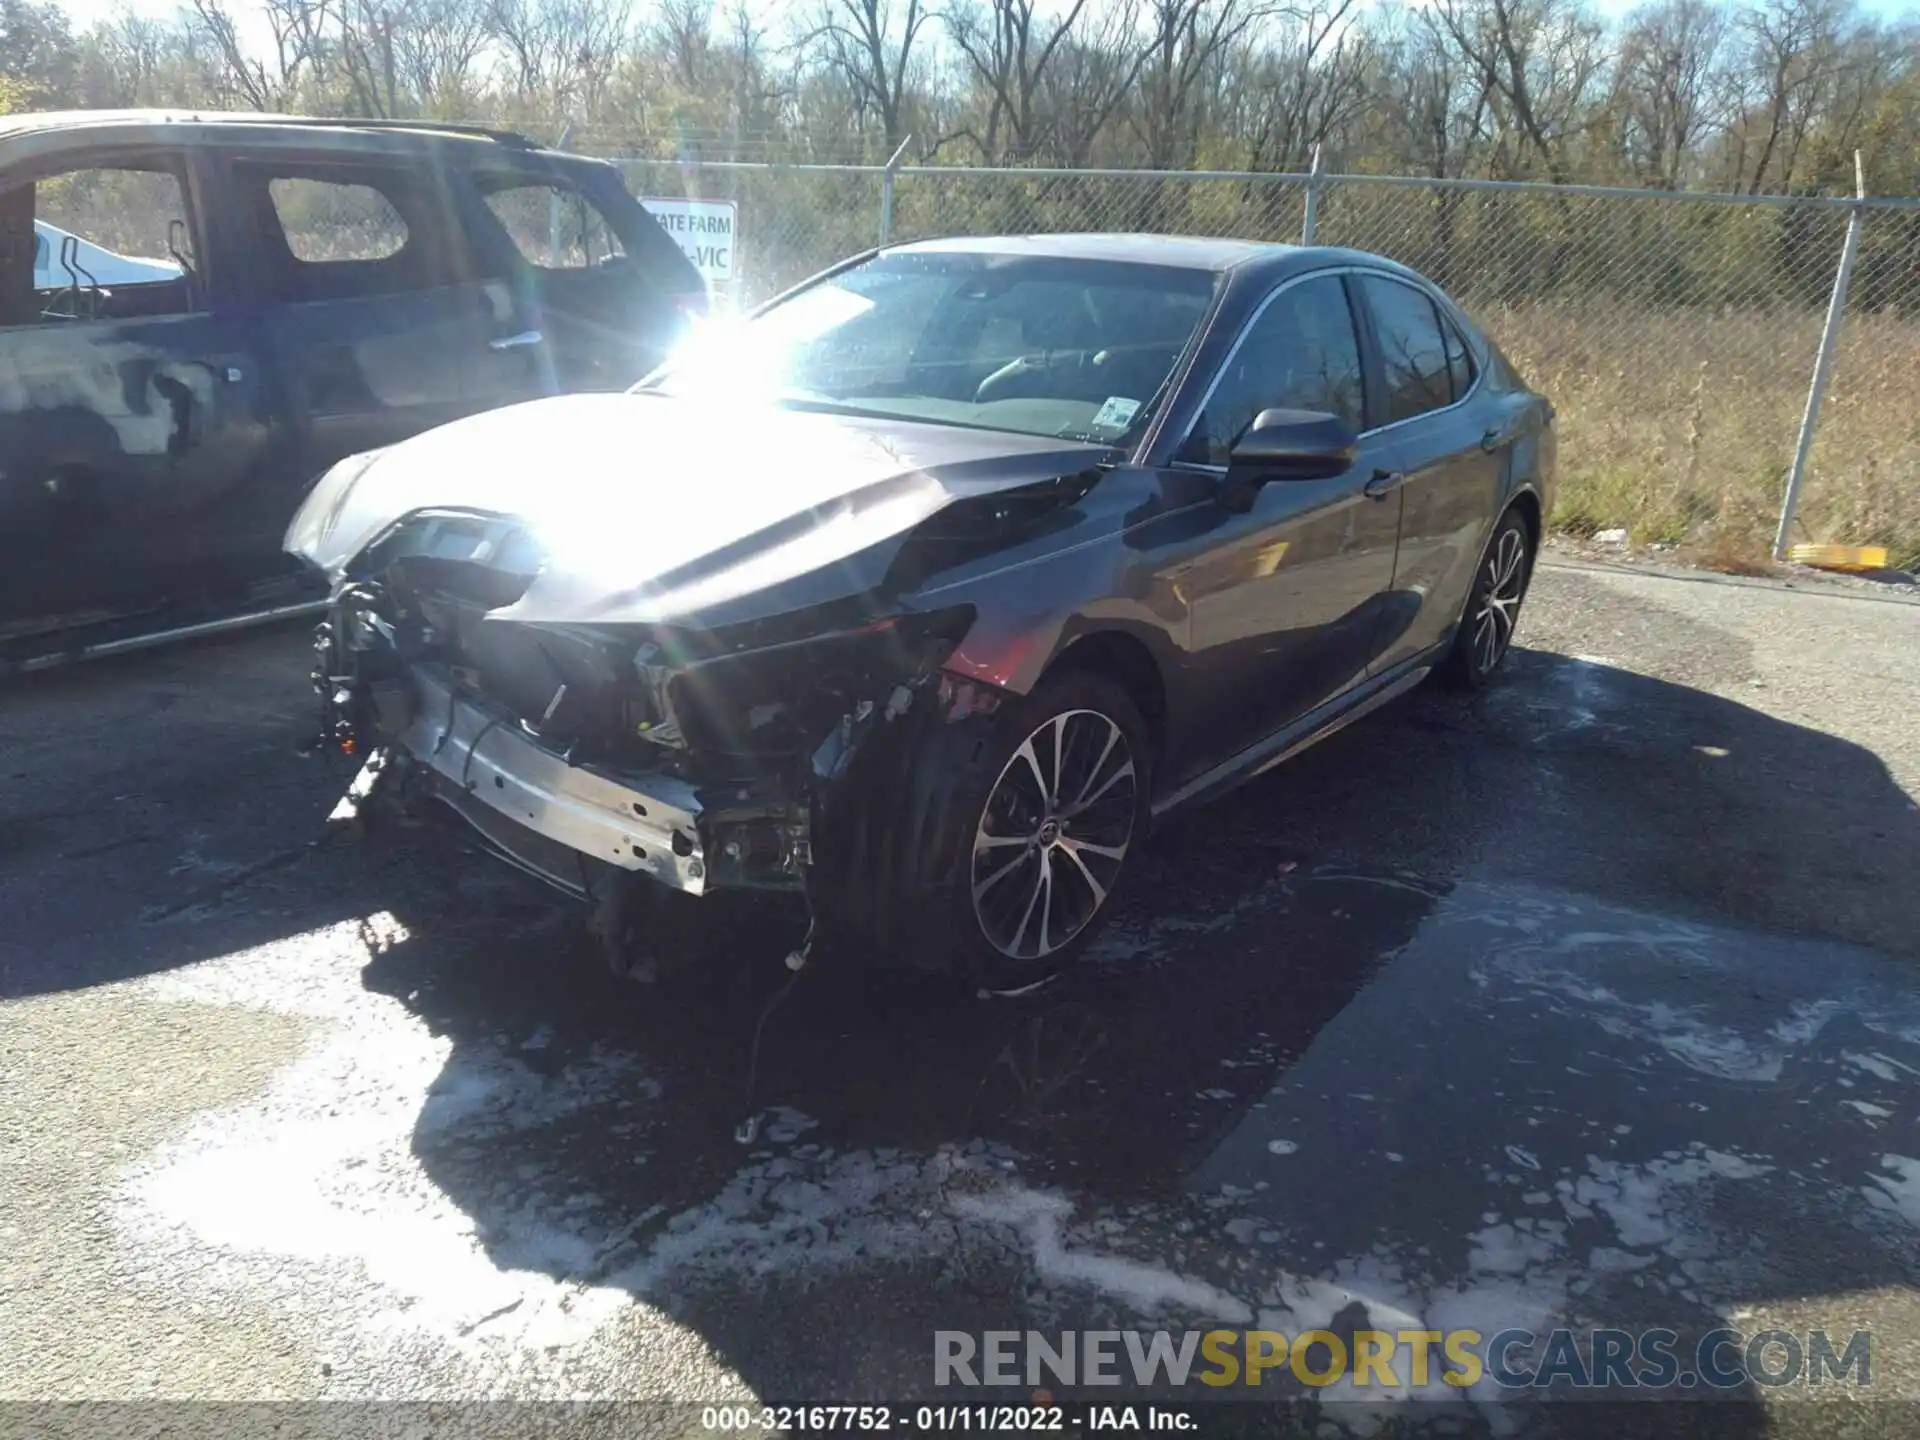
(135, 414)
(372, 308)
(1452, 466)
(597, 291)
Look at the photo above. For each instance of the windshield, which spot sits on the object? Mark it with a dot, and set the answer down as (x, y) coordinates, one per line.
(1074, 348)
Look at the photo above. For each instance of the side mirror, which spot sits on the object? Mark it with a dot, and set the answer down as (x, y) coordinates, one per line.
(1293, 445)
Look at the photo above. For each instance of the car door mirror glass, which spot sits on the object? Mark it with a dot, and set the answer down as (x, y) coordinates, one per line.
(1294, 445)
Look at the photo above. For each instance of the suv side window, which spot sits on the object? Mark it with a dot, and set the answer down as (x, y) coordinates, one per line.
(552, 226)
(340, 232)
(1299, 353)
(328, 220)
(1413, 350)
(110, 242)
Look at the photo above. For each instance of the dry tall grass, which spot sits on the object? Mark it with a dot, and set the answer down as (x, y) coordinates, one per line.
(1681, 426)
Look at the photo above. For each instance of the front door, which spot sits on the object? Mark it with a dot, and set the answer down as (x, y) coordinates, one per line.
(134, 410)
(1284, 599)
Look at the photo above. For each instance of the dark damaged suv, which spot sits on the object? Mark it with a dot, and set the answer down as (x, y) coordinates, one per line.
(923, 590)
(201, 313)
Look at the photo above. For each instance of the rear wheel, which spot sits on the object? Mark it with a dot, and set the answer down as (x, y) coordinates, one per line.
(1486, 626)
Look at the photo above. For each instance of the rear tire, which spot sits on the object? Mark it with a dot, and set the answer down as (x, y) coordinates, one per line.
(1485, 632)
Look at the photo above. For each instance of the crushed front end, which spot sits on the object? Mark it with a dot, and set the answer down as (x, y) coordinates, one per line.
(594, 755)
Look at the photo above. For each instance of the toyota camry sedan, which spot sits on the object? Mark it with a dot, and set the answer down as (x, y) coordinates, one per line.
(925, 589)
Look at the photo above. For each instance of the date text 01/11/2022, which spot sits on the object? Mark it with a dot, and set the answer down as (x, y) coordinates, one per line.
(881, 1419)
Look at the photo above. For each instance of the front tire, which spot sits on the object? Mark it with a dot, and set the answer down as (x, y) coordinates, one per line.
(1053, 832)
(1485, 632)
(928, 820)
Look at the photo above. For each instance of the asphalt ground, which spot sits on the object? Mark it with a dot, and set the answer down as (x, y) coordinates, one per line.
(1587, 1001)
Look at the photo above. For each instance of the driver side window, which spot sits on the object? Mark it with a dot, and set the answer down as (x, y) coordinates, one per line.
(108, 243)
(1299, 353)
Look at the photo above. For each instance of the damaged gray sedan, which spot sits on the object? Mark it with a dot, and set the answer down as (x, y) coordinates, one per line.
(923, 590)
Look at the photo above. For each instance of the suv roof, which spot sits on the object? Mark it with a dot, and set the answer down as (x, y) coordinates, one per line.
(218, 126)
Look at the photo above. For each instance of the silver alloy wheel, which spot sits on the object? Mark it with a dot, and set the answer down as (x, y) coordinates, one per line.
(1054, 834)
(1507, 578)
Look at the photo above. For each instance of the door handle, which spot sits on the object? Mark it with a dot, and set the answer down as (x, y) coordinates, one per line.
(1384, 483)
(1496, 437)
(516, 342)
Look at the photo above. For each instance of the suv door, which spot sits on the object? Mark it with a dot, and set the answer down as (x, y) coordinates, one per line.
(134, 410)
(371, 305)
(1283, 601)
(598, 291)
(1452, 476)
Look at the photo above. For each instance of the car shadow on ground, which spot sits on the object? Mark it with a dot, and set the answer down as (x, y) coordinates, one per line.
(1252, 929)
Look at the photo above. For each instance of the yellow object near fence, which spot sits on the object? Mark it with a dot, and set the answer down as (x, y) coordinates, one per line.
(1840, 557)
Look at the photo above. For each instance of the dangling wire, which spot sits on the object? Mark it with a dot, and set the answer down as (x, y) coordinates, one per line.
(797, 963)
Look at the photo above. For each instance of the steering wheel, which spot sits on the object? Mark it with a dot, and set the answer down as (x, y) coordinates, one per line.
(1022, 366)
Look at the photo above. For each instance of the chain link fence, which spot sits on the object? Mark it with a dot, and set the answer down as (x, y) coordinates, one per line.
(1676, 334)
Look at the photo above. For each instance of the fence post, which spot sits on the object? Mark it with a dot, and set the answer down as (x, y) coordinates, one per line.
(1822, 367)
(1310, 225)
(886, 189)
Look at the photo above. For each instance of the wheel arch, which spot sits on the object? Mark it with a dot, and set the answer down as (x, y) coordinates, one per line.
(1124, 658)
(1526, 500)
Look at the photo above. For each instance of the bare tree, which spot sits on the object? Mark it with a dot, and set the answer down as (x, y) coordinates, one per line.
(757, 91)
(1541, 62)
(1673, 86)
(439, 51)
(1793, 50)
(1184, 43)
(1008, 51)
(1433, 106)
(125, 60)
(1090, 80)
(297, 34)
(369, 57)
(1296, 85)
(870, 47)
(683, 30)
(562, 51)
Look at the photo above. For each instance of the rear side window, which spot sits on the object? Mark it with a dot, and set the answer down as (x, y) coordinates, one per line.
(329, 231)
(554, 227)
(326, 220)
(1413, 350)
(1299, 353)
(1459, 357)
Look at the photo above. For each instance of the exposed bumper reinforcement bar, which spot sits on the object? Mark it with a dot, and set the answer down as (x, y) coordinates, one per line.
(485, 759)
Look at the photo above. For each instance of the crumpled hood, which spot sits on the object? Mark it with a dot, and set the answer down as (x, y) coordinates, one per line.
(646, 507)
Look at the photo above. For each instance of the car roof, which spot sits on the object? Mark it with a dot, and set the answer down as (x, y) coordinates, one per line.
(189, 126)
(1252, 262)
(1188, 252)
